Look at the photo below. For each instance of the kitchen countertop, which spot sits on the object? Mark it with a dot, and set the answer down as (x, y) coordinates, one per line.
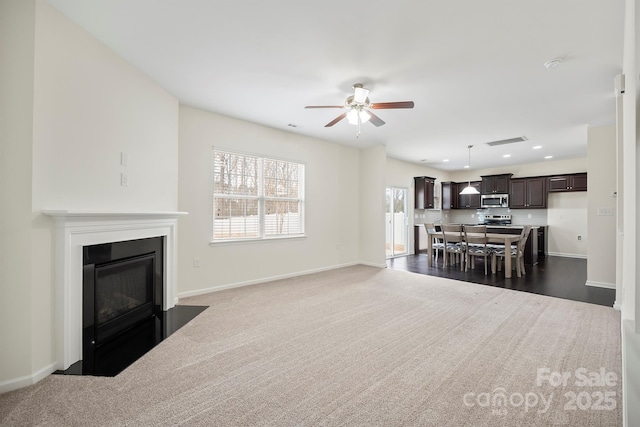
(491, 226)
(514, 226)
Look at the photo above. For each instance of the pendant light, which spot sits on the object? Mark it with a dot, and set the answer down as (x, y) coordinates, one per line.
(469, 189)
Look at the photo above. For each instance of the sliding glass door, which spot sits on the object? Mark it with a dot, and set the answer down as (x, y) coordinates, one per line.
(397, 222)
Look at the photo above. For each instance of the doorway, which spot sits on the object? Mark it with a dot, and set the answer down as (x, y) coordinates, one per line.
(397, 222)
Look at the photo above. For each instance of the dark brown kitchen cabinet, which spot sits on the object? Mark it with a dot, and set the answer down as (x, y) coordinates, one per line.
(529, 193)
(449, 195)
(496, 184)
(452, 199)
(423, 186)
(542, 249)
(468, 201)
(569, 182)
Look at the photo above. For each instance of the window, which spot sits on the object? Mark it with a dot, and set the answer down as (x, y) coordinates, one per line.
(256, 197)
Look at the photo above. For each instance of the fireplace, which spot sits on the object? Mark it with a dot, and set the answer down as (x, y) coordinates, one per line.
(122, 291)
(77, 230)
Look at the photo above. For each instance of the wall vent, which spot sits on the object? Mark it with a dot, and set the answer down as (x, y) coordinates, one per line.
(507, 141)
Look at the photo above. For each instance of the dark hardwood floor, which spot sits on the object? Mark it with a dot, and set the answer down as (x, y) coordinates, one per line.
(553, 276)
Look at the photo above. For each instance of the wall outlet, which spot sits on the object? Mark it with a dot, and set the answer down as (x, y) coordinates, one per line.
(196, 262)
(124, 180)
(605, 211)
(579, 237)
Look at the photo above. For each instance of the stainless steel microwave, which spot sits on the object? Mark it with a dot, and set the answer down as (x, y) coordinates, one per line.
(494, 200)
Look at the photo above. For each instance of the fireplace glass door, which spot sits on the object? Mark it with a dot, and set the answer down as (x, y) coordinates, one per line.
(123, 294)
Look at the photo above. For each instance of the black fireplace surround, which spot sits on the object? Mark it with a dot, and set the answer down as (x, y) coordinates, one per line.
(122, 302)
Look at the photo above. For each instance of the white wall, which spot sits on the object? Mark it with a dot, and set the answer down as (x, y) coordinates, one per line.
(567, 219)
(629, 297)
(372, 206)
(89, 105)
(17, 23)
(332, 205)
(601, 206)
(400, 174)
(549, 167)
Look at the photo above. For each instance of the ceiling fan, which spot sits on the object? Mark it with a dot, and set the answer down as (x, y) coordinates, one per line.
(359, 108)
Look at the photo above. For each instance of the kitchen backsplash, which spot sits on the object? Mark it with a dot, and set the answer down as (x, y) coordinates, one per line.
(469, 216)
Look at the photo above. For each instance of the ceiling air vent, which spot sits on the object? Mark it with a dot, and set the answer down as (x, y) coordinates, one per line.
(507, 141)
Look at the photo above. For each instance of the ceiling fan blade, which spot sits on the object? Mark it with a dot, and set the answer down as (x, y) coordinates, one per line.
(336, 120)
(388, 105)
(324, 106)
(377, 121)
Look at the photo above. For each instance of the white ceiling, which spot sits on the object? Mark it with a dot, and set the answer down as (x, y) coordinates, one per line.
(473, 68)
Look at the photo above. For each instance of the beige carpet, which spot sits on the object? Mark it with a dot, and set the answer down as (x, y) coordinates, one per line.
(357, 346)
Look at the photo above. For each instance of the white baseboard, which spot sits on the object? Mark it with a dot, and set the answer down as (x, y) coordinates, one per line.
(371, 264)
(560, 254)
(270, 279)
(600, 284)
(27, 380)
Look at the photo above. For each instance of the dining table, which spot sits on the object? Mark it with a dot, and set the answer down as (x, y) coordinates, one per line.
(492, 238)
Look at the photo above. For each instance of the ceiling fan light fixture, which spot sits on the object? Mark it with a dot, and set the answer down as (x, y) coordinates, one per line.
(352, 116)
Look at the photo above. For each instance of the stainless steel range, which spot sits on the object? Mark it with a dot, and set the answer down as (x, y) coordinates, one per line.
(496, 219)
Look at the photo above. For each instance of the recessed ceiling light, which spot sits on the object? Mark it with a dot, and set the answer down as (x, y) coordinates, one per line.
(445, 160)
(506, 155)
(537, 147)
(553, 63)
(466, 166)
(548, 157)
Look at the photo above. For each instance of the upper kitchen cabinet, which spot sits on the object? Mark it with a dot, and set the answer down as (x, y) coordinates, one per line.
(452, 199)
(569, 182)
(468, 201)
(496, 184)
(449, 195)
(529, 193)
(424, 186)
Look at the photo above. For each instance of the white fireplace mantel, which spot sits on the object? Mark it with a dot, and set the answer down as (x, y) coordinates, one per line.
(76, 229)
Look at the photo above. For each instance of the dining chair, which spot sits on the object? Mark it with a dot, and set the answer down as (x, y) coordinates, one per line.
(453, 243)
(475, 237)
(516, 252)
(437, 243)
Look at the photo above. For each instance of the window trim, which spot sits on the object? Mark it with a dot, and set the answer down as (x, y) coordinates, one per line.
(261, 201)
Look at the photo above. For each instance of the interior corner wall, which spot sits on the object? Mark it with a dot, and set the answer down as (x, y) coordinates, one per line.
(80, 106)
(332, 209)
(400, 174)
(372, 205)
(630, 306)
(630, 133)
(17, 29)
(601, 206)
(90, 106)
